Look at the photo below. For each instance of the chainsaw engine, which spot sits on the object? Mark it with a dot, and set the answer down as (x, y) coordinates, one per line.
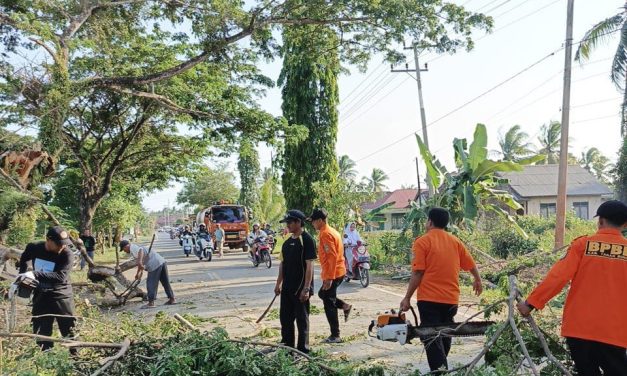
(394, 327)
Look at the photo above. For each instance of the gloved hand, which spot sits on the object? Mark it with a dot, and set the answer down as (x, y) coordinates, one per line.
(30, 275)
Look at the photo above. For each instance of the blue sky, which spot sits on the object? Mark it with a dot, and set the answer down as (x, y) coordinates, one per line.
(379, 108)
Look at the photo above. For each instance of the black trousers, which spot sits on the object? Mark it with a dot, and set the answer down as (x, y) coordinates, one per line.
(331, 304)
(48, 304)
(437, 348)
(293, 309)
(591, 357)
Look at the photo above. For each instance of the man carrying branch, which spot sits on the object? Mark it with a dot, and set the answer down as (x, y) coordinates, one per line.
(596, 307)
(438, 258)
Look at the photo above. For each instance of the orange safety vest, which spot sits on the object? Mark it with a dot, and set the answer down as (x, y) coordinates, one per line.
(331, 254)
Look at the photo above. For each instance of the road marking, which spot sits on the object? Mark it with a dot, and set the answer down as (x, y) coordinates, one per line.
(213, 276)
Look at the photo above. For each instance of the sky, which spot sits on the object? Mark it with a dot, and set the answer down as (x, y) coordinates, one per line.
(514, 75)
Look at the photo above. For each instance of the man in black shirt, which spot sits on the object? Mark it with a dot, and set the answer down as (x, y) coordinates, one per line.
(90, 245)
(51, 261)
(295, 281)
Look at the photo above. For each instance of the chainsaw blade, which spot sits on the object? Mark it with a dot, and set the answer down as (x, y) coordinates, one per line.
(469, 329)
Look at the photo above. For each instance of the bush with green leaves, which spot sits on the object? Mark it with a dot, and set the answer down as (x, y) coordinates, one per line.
(508, 242)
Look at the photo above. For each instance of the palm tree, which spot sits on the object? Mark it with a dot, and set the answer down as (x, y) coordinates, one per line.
(550, 142)
(602, 32)
(595, 162)
(375, 180)
(514, 144)
(347, 168)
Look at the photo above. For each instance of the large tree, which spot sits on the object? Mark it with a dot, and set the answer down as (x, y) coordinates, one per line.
(549, 140)
(347, 168)
(175, 62)
(310, 97)
(249, 170)
(514, 144)
(594, 161)
(376, 181)
(602, 32)
(207, 186)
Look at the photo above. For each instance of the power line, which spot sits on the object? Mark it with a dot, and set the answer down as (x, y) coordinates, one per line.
(344, 101)
(376, 87)
(375, 103)
(593, 119)
(466, 103)
(357, 96)
(498, 6)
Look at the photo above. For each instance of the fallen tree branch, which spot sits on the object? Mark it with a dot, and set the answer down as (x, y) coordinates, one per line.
(183, 321)
(63, 341)
(513, 293)
(543, 343)
(290, 349)
(108, 362)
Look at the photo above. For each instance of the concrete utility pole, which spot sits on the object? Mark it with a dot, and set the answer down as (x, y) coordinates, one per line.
(423, 116)
(560, 223)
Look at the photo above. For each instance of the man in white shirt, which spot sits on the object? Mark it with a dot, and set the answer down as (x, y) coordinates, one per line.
(157, 269)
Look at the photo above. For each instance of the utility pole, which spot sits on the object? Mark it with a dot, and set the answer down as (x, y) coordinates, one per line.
(560, 223)
(423, 116)
(418, 176)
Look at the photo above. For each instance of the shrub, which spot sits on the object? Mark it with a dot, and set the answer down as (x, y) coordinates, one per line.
(507, 242)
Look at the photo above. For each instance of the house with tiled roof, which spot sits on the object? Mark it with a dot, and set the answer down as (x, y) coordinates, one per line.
(391, 218)
(535, 188)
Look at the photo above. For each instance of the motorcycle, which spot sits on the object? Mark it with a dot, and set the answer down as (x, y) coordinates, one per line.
(262, 254)
(187, 242)
(204, 247)
(359, 270)
(271, 241)
(173, 235)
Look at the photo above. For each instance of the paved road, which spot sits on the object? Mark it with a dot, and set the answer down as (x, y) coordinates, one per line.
(231, 293)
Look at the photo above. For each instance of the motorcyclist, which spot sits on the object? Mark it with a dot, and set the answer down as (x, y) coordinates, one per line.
(351, 239)
(186, 231)
(268, 230)
(255, 236)
(203, 233)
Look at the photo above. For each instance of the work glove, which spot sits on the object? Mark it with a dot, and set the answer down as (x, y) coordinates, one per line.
(30, 275)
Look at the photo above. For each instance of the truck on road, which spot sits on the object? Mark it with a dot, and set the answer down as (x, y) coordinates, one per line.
(234, 221)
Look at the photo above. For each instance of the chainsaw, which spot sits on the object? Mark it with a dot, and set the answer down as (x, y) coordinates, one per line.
(393, 326)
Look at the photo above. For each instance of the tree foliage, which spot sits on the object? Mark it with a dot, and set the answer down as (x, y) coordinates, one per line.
(310, 97)
(475, 186)
(208, 185)
(249, 171)
(598, 164)
(347, 168)
(376, 181)
(514, 144)
(549, 140)
(271, 201)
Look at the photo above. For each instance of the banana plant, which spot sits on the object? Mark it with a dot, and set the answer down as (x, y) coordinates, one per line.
(475, 186)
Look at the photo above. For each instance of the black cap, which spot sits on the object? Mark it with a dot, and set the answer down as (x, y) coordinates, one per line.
(317, 214)
(58, 235)
(293, 214)
(615, 211)
(124, 243)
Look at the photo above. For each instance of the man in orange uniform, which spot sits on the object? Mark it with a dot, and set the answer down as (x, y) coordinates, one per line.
(438, 258)
(595, 314)
(331, 254)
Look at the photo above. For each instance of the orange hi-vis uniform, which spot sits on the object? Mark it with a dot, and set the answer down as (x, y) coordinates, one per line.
(596, 306)
(331, 253)
(441, 256)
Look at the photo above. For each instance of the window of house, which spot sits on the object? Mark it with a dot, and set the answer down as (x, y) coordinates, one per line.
(398, 221)
(581, 209)
(547, 210)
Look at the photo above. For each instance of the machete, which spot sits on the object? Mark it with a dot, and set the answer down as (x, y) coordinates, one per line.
(266, 311)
